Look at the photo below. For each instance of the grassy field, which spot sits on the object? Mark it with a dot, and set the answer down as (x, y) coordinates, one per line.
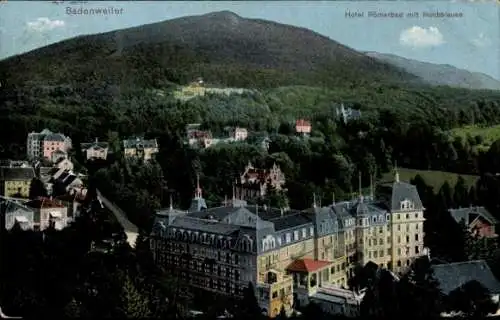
(432, 178)
(488, 134)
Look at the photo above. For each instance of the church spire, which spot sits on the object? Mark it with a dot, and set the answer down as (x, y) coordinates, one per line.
(314, 200)
(171, 203)
(198, 189)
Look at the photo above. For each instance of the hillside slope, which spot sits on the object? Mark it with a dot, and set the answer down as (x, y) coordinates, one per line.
(440, 74)
(222, 47)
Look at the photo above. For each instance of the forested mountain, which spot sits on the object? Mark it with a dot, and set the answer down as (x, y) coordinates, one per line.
(222, 47)
(440, 74)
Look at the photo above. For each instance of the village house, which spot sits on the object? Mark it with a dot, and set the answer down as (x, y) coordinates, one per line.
(17, 213)
(140, 148)
(452, 276)
(237, 134)
(95, 150)
(303, 127)
(65, 164)
(347, 114)
(198, 138)
(253, 182)
(58, 155)
(64, 181)
(48, 212)
(45, 143)
(16, 181)
(478, 220)
(73, 202)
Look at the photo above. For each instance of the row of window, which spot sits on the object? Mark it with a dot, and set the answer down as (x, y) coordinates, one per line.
(400, 252)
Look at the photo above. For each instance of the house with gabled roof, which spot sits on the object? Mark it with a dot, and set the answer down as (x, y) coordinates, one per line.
(454, 276)
(17, 214)
(139, 147)
(95, 150)
(16, 181)
(478, 220)
(43, 144)
(253, 181)
(64, 163)
(48, 212)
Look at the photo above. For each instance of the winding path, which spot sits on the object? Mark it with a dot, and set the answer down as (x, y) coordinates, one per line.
(130, 229)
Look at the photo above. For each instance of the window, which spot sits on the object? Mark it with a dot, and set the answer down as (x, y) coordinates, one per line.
(416, 215)
(407, 216)
(304, 233)
(416, 237)
(381, 253)
(375, 242)
(375, 254)
(288, 238)
(399, 263)
(374, 219)
(408, 228)
(397, 216)
(311, 231)
(388, 217)
(399, 227)
(381, 241)
(295, 235)
(388, 240)
(399, 251)
(388, 252)
(417, 250)
(407, 239)
(399, 239)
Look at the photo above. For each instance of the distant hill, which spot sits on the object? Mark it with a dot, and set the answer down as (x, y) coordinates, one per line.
(221, 47)
(440, 74)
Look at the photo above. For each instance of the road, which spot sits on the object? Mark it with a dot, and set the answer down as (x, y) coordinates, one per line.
(131, 230)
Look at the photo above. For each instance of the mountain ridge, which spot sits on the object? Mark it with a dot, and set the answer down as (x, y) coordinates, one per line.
(440, 74)
(265, 53)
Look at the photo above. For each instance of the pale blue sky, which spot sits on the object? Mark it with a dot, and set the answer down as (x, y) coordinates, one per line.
(470, 42)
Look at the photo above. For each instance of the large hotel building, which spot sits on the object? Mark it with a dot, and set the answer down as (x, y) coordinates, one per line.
(292, 257)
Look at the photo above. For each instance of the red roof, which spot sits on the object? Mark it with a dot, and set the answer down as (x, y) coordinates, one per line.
(44, 203)
(302, 123)
(307, 265)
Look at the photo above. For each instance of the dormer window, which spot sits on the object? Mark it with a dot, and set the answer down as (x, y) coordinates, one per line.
(406, 205)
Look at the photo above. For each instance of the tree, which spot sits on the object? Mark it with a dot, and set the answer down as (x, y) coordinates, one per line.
(133, 303)
(472, 196)
(249, 306)
(73, 309)
(423, 294)
(461, 192)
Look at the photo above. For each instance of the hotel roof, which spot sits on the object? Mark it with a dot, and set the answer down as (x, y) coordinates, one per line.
(307, 265)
